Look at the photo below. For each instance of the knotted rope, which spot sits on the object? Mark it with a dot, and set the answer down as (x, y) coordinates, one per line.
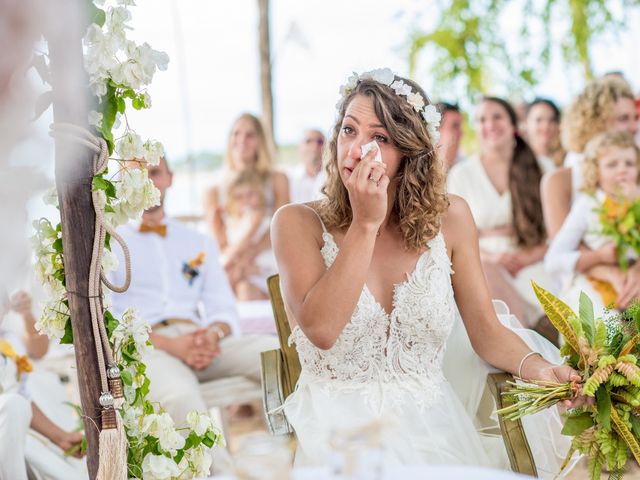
(113, 443)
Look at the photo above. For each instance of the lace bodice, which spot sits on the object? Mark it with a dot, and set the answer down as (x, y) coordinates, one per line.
(402, 349)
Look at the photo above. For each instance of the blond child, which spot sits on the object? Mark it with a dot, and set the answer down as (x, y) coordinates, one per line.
(241, 225)
(580, 253)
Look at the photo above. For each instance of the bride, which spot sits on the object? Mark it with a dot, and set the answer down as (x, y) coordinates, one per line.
(372, 276)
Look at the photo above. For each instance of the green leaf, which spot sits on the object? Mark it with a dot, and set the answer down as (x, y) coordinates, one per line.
(57, 245)
(635, 425)
(127, 379)
(137, 103)
(95, 14)
(110, 322)
(179, 456)
(208, 442)
(67, 338)
(586, 316)
(576, 424)
(109, 106)
(120, 105)
(603, 406)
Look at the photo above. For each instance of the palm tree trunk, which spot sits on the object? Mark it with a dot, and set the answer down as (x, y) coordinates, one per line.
(265, 72)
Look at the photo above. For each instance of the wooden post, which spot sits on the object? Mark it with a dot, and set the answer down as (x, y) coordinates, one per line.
(74, 172)
(265, 73)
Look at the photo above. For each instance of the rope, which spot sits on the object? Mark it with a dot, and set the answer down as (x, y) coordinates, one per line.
(96, 277)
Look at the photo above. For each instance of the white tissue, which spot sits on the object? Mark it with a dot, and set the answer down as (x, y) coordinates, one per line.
(365, 148)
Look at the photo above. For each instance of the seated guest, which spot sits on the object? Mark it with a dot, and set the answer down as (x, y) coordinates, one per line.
(611, 170)
(21, 419)
(247, 223)
(501, 186)
(450, 133)
(306, 178)
(179, 287)
(247, 150)
(604, 104)
(542, 127)
(37, 345)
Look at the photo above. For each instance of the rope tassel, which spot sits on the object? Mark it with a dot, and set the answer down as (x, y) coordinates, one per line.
(112, 457)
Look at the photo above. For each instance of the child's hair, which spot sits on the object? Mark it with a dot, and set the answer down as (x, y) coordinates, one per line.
(249, 178)
(596, 148)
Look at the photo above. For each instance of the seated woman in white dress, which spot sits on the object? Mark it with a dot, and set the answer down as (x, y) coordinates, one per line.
(501, 186)
(604, 104)
(610, 169)
(368, 280)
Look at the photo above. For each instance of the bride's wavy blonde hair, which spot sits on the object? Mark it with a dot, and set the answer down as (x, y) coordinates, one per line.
(420, 197)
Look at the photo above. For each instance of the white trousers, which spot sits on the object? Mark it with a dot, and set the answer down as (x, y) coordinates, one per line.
(15, 417)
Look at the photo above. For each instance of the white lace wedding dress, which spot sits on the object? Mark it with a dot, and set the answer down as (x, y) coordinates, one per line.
(388, 367)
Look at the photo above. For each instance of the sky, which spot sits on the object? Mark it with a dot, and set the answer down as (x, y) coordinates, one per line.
(213, 74)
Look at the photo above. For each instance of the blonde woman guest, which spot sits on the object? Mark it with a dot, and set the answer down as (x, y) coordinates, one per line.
(368, 279)
(611, 168)
(604, 104)
(501, 186)
(247, 149)
(542, 128)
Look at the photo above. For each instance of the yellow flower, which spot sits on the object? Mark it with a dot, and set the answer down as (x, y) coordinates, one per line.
(22, 361)
(199, 260)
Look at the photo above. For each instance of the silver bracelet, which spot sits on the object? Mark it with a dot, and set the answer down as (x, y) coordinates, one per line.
(524, 359)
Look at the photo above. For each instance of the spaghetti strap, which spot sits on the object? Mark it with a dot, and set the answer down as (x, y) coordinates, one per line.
(324, 229)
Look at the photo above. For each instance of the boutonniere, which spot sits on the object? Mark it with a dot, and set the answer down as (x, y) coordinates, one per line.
(22, 362)
(190, 269)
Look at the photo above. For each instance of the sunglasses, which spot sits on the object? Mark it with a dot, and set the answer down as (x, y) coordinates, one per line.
(319, 141)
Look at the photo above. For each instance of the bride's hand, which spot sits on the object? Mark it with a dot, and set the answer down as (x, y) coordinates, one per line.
(367, 187)
(564, 374)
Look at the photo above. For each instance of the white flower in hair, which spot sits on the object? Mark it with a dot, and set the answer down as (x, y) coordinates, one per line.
(352, 81)
(416, 101)
(381, 75)
(431, 115)
(401, 88)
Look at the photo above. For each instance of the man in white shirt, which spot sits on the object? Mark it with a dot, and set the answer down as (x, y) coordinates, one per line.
(306, 179)
(450, 133)
(178, 286)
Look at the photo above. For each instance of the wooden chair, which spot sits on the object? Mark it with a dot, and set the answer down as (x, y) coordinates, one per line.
(281, 369)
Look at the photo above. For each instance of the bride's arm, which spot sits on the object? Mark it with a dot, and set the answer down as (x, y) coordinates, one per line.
(321, 300)
(495, 343)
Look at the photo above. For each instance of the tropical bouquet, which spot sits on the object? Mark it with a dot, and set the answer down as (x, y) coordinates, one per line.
(605, 352)
(619, 219)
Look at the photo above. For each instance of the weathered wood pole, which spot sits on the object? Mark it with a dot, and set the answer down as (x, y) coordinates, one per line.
(74, 172)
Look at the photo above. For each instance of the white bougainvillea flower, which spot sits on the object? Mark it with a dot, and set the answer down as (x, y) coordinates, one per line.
(51, 197)
(130, 146)
(109, 261)
(199, 422)
(55, 315)
(153, 151)
(95, 119)
(159, 467)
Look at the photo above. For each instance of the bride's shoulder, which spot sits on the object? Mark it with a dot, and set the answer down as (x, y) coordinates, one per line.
(297, 217)
(457, 221)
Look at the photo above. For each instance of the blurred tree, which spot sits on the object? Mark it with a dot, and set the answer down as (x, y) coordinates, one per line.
(469, 41)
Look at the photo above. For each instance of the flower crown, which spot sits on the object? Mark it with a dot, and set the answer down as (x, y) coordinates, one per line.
(385, 76)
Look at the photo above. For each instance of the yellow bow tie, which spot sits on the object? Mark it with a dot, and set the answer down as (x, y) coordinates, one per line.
(159, 229)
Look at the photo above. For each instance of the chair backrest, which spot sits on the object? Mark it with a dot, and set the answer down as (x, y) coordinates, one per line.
(290, 355)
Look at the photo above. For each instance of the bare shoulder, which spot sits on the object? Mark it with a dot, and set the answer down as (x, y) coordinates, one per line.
(559, 179)
(279, 178)
(293, 219)
(457, 222)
